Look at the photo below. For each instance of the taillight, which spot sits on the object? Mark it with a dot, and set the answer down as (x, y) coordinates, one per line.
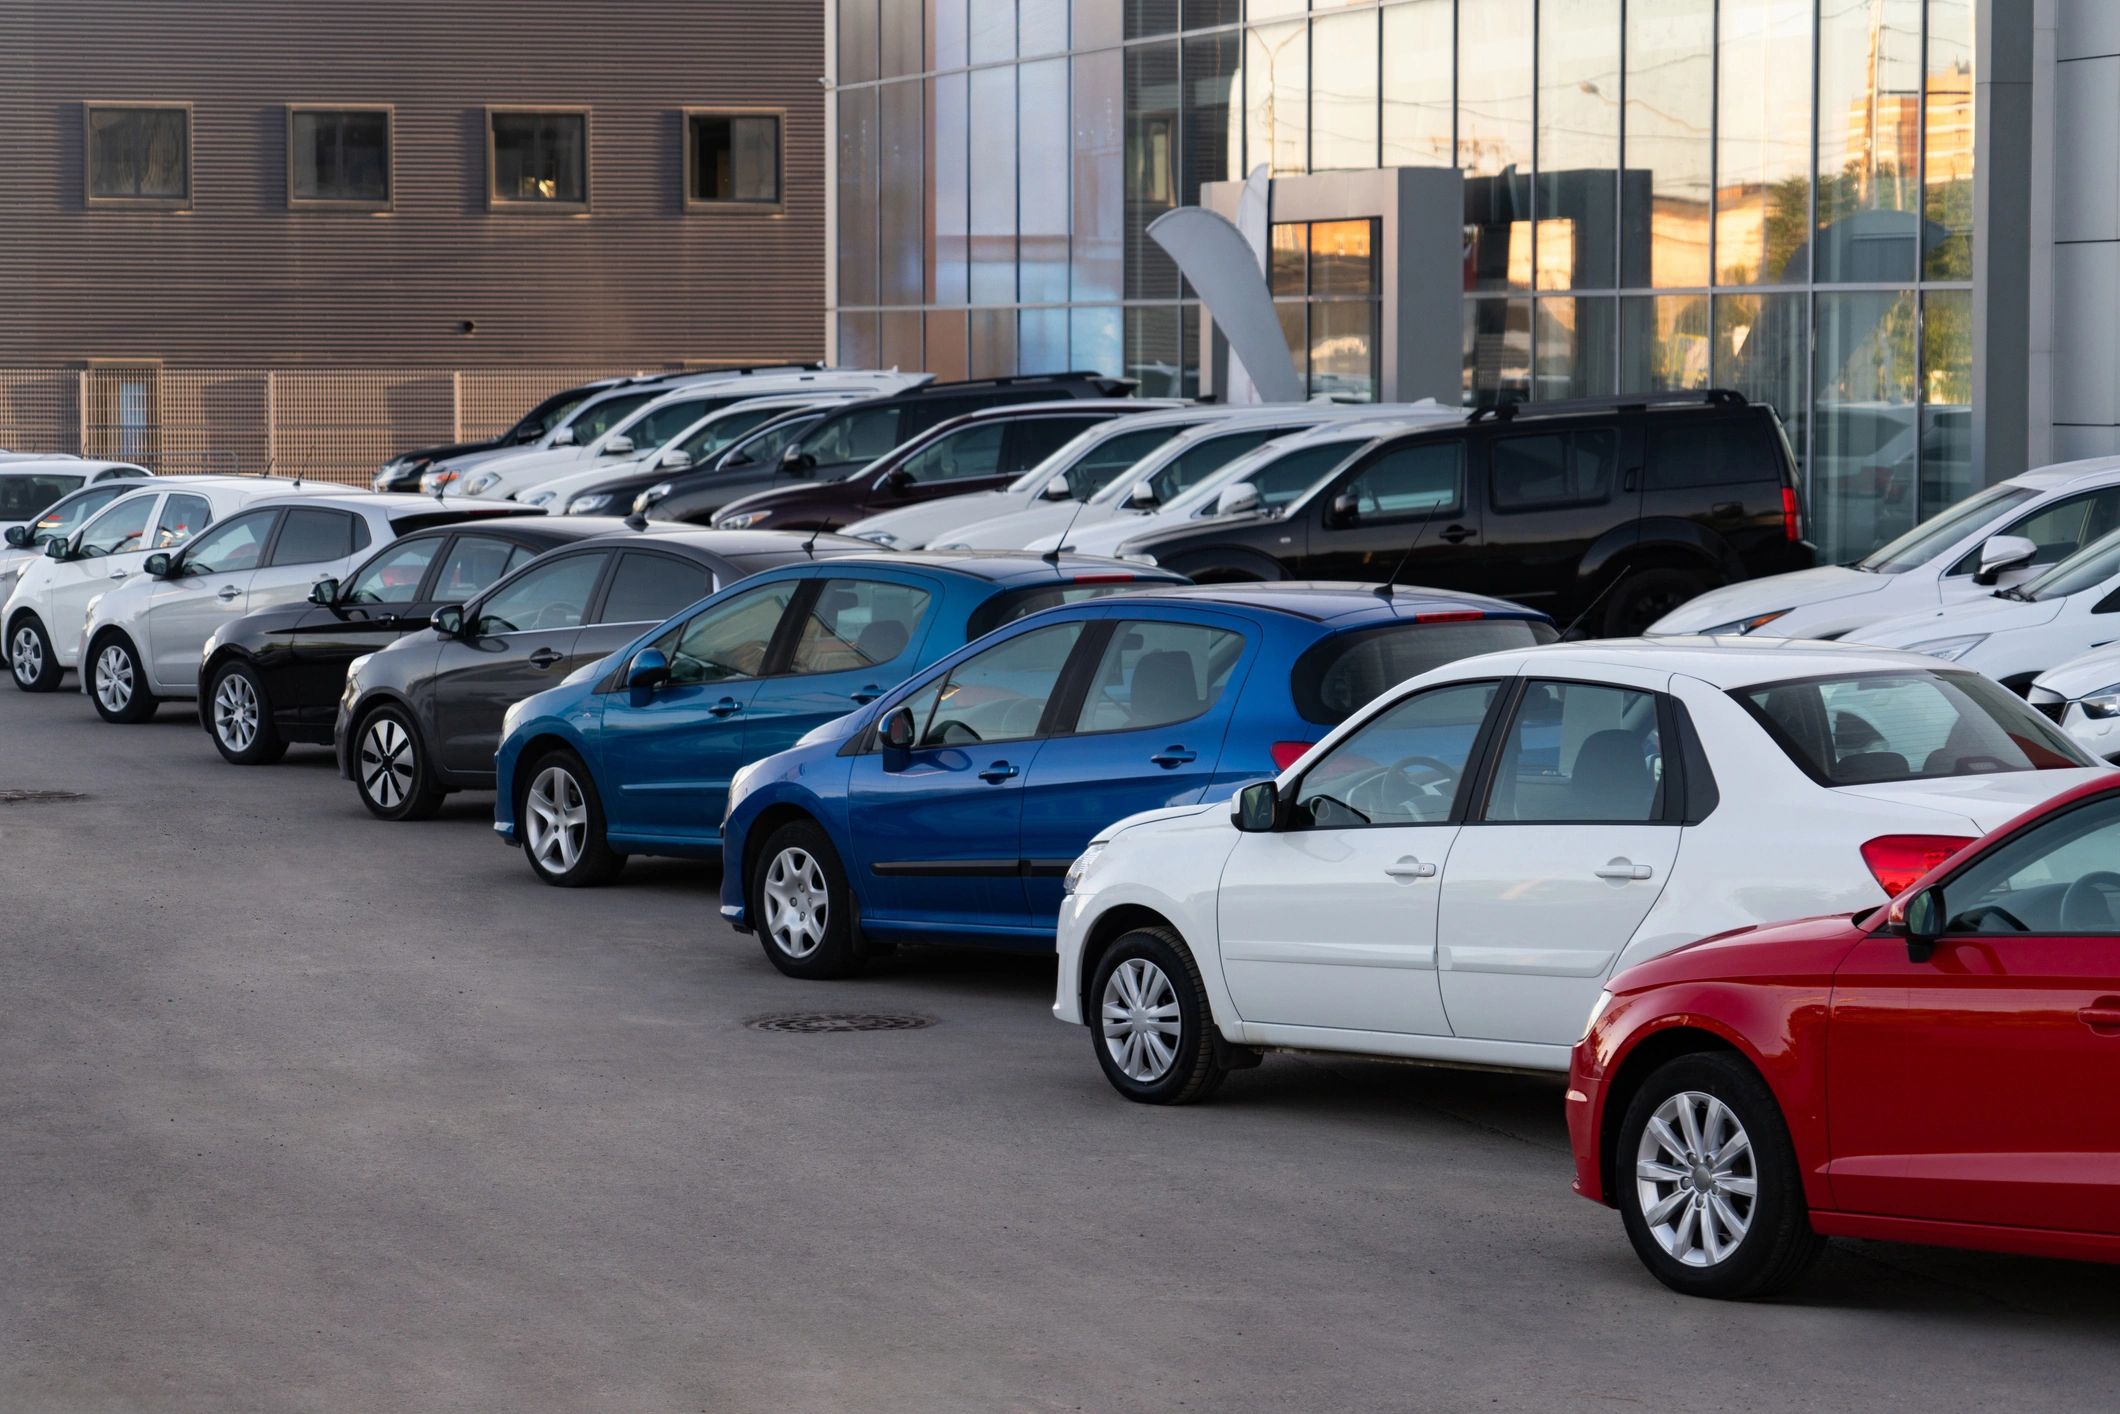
(1450, 616)
(1898, 860)
(1287, 753)
(1791, 515)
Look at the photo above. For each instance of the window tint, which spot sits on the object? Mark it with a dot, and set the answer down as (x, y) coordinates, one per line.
(1402, 767)
(119, 530)
(1338, 676)
(311, 536)
(1203, 459)
(475, 564)
(1096, 468)
(1288, 476)
(1423, 479)
(1577, 751)
(969, 451)
(2059, 530)
(857, 623)
(861, 435)
(1554, 469)
(182, 517)
(72, 512)
(2035, 883)
(1681, 452)
(1033, 439)
(232, 546)
(393, 577)
(554, 595)
(24, 496)
(649, 588)
(1157, 673)
(539, 159)
(1906, 727)
(728, 641)
(996, 695)
(657, 427)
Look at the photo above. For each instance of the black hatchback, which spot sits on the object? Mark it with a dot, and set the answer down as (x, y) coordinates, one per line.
(1611, 510)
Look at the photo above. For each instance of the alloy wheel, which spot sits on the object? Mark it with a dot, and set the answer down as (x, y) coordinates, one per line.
(798, 904)
(1695, 1180)
(386, 762)
(114, 678)
(235, 712)
(557, 819)
(1142, 1023)
(27, 655)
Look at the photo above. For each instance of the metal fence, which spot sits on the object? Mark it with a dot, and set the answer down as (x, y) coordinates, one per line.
(322, 424)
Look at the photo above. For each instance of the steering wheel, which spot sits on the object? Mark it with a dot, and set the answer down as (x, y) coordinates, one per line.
(553, 616)
(1378, 798)
(2087, 906)
(1973, 917)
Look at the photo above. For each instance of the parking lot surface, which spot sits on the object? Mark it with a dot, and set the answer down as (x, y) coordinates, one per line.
(299, 1110)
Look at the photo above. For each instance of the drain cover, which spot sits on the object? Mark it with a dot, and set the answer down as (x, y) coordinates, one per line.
(809, 1022)
(37, 797)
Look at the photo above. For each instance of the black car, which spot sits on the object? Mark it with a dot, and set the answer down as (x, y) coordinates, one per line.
(422, 716)
(694, 495)
(1614, 510)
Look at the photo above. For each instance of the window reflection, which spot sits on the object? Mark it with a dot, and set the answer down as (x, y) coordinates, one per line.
(949, 191)
(1497, 351)
(1041, 341)
(993, 343)
(858, 204)
(1151, 165)
(1869, 139)
(1573, 347)
(1864, 443)
(1494, 137)
(1668, 159)
(1578, 144)
(1042, 205)
(1947, 180)
(1946, 399)
(1098, 218)
(1762, 157)
(1343, 99)
(1663, 343)
(1154, 352)
(1277, 97)
(904, 142)
(1214, 119)
(1419, 92)
(993, 248)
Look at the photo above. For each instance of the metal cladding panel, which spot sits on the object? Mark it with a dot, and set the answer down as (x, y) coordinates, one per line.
(241, 279)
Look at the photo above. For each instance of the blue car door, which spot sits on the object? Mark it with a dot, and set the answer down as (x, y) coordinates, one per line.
(853, 637)
(667, 752)
(937, 829)
(1144, 730)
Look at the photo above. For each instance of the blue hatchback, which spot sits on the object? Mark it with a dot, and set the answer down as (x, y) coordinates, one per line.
(951, 808)
(633, 755)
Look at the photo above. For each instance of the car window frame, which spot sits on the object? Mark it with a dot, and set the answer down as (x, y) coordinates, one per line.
(594, 616)
(181, 566)
(1066, 686)
(1493, 441)
(430, 585)
(1239, 671)
(778, 645)
(475, 610)
(1995, 845)
(279, 526)
(812, 589)
(1476, 759)
(77, 542)
(443, 538)
(1673, 782)
(1320, 501)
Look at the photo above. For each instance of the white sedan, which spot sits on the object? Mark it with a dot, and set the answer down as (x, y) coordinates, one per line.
(1453, 873)
(1995, 538)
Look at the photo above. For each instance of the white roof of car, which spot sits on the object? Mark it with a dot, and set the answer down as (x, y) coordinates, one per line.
(35, 464)
(1722, 662)
(2062, 476)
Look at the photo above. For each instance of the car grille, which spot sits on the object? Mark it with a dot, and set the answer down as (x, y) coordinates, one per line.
(2054, 711)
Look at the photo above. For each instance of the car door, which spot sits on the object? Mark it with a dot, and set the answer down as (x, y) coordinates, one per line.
(518, 640)
(1144, 730)
(312, 543)
(209, 588)
(1560, 861)
(665, 753)
(1403, 496)
(937, 829)
(1551, 494)
(645, 588)
(1981, 1083)
(103, 556)
(1370, 827)
(855, 637)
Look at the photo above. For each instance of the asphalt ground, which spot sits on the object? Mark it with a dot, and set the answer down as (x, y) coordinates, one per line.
(300, 1110)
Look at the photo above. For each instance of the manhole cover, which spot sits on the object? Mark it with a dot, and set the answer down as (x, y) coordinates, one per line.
(37, 797)
(809, 1022)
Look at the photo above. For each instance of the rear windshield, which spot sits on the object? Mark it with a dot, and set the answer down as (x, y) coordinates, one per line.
(1016, 604)
(1906, 726)
(1344, 672)
(1944, 529)
(26, 497)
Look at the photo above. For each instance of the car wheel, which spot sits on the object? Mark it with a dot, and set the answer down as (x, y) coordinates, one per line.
(30, 657)
(562, 824)
(118, 681)
(1151, 1022)
(1707, 1183)
(241, 718)
(802, 907)
(1641, 598)
(390, 768)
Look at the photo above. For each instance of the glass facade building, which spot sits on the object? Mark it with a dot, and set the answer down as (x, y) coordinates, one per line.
(1769, 195)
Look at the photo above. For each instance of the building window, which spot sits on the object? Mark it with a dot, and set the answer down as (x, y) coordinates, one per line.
(338, 157)
(1325, 287)
(139, 154)
(732, 160)
(537, 158)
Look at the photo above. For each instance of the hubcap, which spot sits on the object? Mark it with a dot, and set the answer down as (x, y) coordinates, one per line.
(114, 678)
(558, 819)
(1141, 1020)
(235, 712)
(797, 903)
(28, 654)
(1694, 1179)
(386, 762)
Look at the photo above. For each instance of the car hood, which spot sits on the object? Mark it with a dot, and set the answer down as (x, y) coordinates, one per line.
(913, 526)
(1989, 802)
(1150, 818)
(467, 460)
(1769, 952)
(2078, 677)
(1767, 596)
(802, 493)
(570, 484)
(1957, 621)
(1013, 532)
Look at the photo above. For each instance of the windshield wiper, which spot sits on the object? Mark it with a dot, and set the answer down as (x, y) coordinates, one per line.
(2012, 592)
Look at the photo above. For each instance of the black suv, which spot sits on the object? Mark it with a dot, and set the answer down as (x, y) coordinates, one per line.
(1623, 507)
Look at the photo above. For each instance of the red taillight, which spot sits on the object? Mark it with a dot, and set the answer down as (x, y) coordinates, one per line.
(1449, 616)
(1287, 753)
(1898, 860)
(1791, 515)
(1104, 579)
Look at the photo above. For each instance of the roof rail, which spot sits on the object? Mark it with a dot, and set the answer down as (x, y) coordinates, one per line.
(1075, 375)
(1509, 410)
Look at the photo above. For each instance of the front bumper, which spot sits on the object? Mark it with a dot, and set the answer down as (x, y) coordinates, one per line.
(1584, 1108)
(1076, 916)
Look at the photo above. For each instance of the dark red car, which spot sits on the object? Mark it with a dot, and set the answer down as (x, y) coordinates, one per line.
(1945, 1069)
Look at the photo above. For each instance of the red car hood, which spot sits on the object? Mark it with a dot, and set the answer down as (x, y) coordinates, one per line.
(1762, 952)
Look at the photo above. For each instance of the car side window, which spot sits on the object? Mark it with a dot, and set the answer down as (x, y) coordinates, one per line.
(476, 563)
(730, 640)
(2059, 530)
(183, 516)
(2056, 878)
(1578, 752)
(1554, 469)
(546, 596)
(1402, 766)
(311, 536)
(648, 588)
(232, 546)
(857, 623)
(1032, 439)
(996, 695)
(394, 576)
(1285, 478)
(1154, 674)
(1411, 482)
(860, 435)
(119, 530)
(1206, 457)
(1683, 452)
(955, 456)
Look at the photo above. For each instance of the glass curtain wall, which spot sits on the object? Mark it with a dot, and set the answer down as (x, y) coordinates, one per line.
(1770, 195)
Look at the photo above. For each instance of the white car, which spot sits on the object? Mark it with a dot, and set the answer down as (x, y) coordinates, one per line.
(1452, 874)
(52, 594)
(30, 484)
(26, 542)
(1994, 538)
(2082, 695)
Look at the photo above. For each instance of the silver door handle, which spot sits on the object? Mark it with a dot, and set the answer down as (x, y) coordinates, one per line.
(1410, 868)
(117, 574)
(1621, 869)
(228, 591)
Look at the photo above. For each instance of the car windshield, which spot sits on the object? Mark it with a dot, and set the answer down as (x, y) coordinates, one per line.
(68, 515)
(1091, 461)
(658, 425)
(595, 421)
(1912, 725)
(2088, 568)
(1944, 529)
(765, 447)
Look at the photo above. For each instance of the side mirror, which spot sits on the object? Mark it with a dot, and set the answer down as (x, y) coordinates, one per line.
(649, 669)
(1142, 496)
(1237, 500)
(617, 446)
(564, 437)
(159, 565)
(1346, 509)
(1056, 490)
(57, 548)
(897, 478)
(897, 733)
(1257, 808)
(448, 620)
(18, 535)
(1921, 918)
(324, 591)
(676, 459)
(794, 462)
(2003, 552)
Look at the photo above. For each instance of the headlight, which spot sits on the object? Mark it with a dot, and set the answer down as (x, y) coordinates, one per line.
(743, 520)
(480, 484)
(876, 537)
(654, 493)
(589, 505)
(1597, 1009)
(434, 481)
(2103, 703)
(1740, 627)
(1081, 865)
(539, 498)
(1949, 649)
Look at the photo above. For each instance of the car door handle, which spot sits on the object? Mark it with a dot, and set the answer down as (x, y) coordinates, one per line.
(1622, 869)
(2102, 1016)
(117, 574)
(997, 773)
(1410, 868)
(228, 591)
(1456, 533)
(866, 695)
(1171, 756)
(727, 707)
(544, 658)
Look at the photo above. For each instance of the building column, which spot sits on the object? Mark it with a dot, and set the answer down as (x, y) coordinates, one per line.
(2003, 263)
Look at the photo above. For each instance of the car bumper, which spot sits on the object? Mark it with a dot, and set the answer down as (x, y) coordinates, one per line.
(1584, 1105)
(1076, 915)
(342, 743)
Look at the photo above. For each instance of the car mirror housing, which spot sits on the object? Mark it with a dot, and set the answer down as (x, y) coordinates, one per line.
(676, 459)
(1256, 810)
(897, 732)
(57, 548)
(18, 535)
(2003, 552)
(1055, 490)
(617, 445)
(649, 669)
(324, 591)
(564, 437)
(1142, 495)
(448, 620)
(160, 565)
(1237, 500)
(1920, 918)
(1346, 509)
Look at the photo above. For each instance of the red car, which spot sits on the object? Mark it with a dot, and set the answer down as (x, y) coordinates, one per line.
(1944, 1069)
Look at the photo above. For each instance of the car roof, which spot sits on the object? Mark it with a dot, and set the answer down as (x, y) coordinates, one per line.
(401, 504)
(1015, 566)
(728, 544)
(35, 463)
(1728, 662)
(1065, 407)
(1333, 602)
(2062, 476)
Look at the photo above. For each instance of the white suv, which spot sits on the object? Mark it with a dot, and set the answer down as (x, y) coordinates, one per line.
(1453, 873)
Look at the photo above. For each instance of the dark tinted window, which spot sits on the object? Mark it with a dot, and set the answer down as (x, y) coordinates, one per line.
(1033, 439)
(393, 577)
(310, 536)
(595, 421)
(539, 158)
(1418, 479)
(341, 155)
(475, 564)
(551, 595)
(23, 497)
(1907, 726)
(1287, 477)
(857, 435)
(1336, 677)
(649, 588)
(1554, 469)
(139, 153)
(959, 454)
(1680, 452)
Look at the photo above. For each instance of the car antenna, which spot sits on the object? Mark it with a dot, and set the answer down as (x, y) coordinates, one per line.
(1387, 591)
(1052, 556)
(1595, 600)
(809, 545)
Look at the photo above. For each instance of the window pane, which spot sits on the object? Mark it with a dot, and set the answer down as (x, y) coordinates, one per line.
(1578, 144)
(901, 338)
(993, 30)
(1763, 172)
(1402, 766)
(1663, 342)
(1419, 98)
(859, 202)
(860, 340)
(999, 694)
(737, 157)
(1199, 14)
(857, 40)
(993, 167)
(1153, 356)
(311, 537)
(1668, 160)
(1553, 469)
(1686, 450)
(1288, 258)
(1156, 674)
(1041, 341)
(1099, 175)
(1497, 350)
(182, 517)
(1907, 726)
(393, 577)
(1864, 445)
(1947, 181)
(1343, 354)
(1494, 138)
(1151, 166)
(1946, 398)
(948, 356)
(540, 157)
(1573, 348)
(1043, 177)
(475, 564)
(650, 588)
(1145, 18)
(1345, 673)
(902, 50)
(900, 194)
(993, 343)
(1096, 340)
(949, 190)
(2027, 885)
(1578, 752)
(341, 156)
(1214, 115)
(1203, 459)
(554, 595)
(1762, 345)
(857, 623)
(118, 531)
(1343, 114)
(1869, 136)
(1277, 98)
(1041, 29)
(231, 546)
(139, 152)
(729, 640)
(1421, 479)
(974, 451)
(946, 41)
(1343, 258)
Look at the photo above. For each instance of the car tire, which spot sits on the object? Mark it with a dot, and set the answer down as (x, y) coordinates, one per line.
(1717, 1101)
(390, 767)
(239, 717)
(1641, 598)
(560, 819)
(1131, 1030)
(117, 680)
(30, 659)
(796, 872)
